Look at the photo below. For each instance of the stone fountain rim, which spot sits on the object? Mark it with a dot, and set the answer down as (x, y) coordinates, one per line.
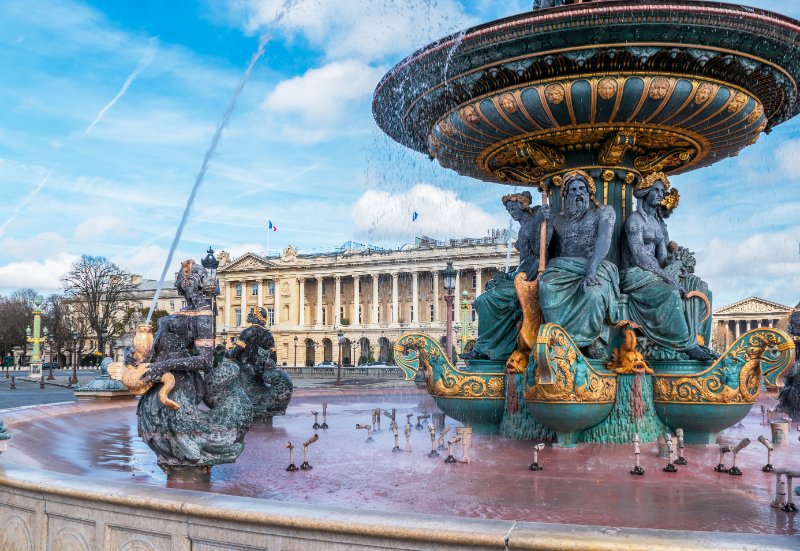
(307, 521)
(247, 515)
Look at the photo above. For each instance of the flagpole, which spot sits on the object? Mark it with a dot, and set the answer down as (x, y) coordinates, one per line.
(269, 234)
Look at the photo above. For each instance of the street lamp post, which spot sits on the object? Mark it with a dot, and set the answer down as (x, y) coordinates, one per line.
(224, 338)
(211, 264)
(465, 321)
(338, 382)
(449, 276)
(295, 350)
(74, 379)
(50, 342)
(102, 347)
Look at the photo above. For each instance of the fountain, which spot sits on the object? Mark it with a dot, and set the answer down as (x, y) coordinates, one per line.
(565, 98)
(595, 105)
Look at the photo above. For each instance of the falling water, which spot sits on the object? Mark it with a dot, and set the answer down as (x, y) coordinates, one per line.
(262, 46)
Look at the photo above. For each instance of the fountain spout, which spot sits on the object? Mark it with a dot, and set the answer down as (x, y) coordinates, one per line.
(305, 466)
(292, 467)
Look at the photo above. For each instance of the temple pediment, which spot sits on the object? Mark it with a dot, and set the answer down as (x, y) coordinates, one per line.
(753, 306)
(248, 262)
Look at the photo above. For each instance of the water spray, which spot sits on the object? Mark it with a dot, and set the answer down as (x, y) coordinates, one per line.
(396, 437)
(790, 506)
(780, 490)
(450, 458)
(720, 468)
(442, 434)
(734, 470)
(637, 452)
(292, 467)
(368, 428)
(681, 460)
(768, 468)
(670, 468)
(305, 466)
(432, 430)
(262, 45)
(376, 420)
(466, 442)
(324, 424)
(535, 465)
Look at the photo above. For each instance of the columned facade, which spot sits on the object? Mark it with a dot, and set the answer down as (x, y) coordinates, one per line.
(372, 297)
(733, 321)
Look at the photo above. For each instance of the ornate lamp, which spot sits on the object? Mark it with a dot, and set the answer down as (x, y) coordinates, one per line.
(449, 276)
(211, 264)
(338, 382)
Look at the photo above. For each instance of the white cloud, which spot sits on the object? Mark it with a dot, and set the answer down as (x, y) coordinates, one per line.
(381, 216)
(321, 95)
(42, 275)
(40, 245)
(365, 29)
(98, 226)
(763, 264)
(787, 157)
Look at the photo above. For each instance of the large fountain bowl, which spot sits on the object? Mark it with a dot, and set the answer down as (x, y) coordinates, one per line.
(669, 86)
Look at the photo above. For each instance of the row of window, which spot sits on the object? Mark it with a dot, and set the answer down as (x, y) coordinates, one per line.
(254, 288)
(237, 316)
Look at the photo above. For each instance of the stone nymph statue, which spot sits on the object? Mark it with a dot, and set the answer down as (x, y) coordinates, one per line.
(268, 387)
(498, 308)
(188, 439)
(657, 277)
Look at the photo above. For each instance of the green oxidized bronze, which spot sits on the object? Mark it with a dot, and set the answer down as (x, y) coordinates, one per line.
(419, 352)
(735, 377)
(595, 105)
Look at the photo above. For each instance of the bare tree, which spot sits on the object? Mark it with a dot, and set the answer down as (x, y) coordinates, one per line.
(16, 312)
(56, 319)
(98, 292)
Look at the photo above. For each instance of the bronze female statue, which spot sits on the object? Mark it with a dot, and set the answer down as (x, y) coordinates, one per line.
(188, 440)
(498, 308)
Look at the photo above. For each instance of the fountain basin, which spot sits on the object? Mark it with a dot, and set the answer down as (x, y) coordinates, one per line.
(363, 494)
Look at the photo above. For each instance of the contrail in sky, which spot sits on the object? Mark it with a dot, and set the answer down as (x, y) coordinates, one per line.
(149, 55)
(28, 198)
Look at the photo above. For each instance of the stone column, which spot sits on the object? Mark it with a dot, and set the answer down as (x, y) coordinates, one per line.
(478, 282)
(301, 309)
(318, 320)
(261, 292)
(415, 297)
(244, 303)
(356, 300)
(730, 333)
(375, 281)
(228, 303)
(395, 304)
(276, 303)
(435, 275)
(337, 301)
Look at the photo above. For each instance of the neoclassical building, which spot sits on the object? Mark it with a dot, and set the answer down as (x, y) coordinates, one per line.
(372, 295)
(734, 320)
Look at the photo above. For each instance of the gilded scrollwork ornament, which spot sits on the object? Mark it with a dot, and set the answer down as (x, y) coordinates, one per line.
(563, 374)
(735, 377)
(417, 352)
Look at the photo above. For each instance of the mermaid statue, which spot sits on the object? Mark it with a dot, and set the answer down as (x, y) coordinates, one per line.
(268, 387)
(498, 308)
(186, 439)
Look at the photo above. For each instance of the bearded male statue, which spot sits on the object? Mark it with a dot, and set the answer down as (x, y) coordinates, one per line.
(653, 281)
(579, 289)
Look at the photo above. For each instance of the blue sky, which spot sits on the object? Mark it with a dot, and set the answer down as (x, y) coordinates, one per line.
(80, 173)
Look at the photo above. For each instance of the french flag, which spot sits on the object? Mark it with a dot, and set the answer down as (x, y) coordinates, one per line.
(272, 226)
